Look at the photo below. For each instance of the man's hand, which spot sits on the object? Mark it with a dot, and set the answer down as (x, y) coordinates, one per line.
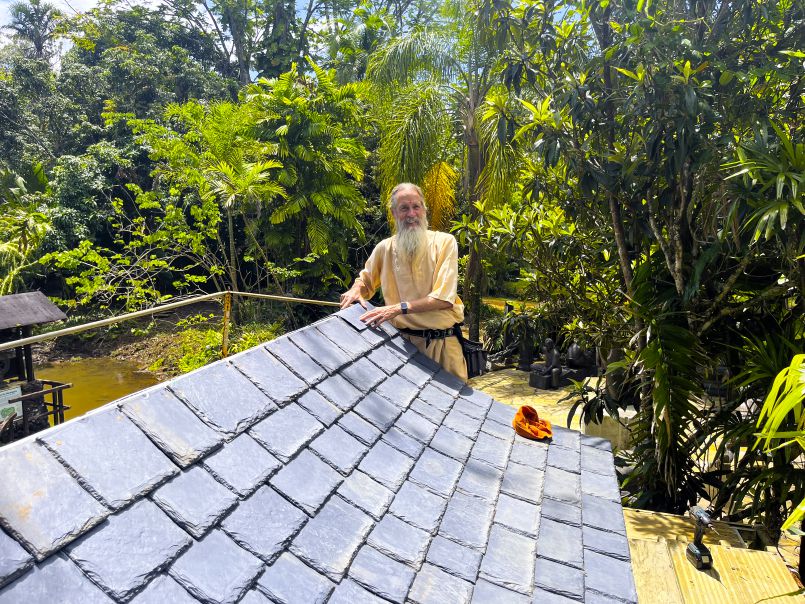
(381, 314)
(349, 298)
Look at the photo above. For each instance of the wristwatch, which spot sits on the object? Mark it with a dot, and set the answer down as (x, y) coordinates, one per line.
(404, 307)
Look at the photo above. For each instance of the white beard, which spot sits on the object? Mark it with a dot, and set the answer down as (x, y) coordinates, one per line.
(411, 238)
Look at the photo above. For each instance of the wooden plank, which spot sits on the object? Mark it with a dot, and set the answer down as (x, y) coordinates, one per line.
(641, 524)
(653, 571)
(737, 576)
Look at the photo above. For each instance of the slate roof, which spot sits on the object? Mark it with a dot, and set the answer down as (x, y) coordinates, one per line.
(31, 308)
(333, 464)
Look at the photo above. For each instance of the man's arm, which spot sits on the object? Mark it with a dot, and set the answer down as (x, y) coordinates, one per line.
(381, 314)
(356, 293)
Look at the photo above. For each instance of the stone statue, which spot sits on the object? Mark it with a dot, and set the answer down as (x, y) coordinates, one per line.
(552, 360)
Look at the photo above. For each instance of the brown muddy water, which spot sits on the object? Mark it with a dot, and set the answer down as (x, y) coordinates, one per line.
(96, 381)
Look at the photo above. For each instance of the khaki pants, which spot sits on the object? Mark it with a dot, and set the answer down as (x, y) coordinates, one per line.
(447, 352)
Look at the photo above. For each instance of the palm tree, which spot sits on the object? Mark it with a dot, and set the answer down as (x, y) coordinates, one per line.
(35, 22)
(440, 79)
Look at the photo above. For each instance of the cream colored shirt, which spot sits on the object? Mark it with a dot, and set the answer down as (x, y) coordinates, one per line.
(433, 272)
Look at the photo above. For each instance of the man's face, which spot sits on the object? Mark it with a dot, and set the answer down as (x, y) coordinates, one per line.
(409, 212)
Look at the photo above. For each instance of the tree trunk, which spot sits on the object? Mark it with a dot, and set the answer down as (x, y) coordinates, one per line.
(474, 278)
(233, 271)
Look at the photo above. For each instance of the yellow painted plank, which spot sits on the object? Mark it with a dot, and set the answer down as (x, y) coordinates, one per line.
(641, 524)
(738, 576)
(653, 571)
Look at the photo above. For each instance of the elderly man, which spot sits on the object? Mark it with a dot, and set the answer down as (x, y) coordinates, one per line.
(417, 270)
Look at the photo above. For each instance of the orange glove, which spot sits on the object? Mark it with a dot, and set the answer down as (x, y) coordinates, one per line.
(528, 424)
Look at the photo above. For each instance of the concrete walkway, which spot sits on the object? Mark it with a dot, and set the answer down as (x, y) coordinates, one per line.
(510, 386)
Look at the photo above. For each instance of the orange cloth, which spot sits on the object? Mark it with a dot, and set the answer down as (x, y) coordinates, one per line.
(527, 423)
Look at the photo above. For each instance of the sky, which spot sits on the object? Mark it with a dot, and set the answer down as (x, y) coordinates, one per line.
(69, 7)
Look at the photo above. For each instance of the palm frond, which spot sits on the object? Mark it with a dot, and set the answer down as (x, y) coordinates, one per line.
(439, 186)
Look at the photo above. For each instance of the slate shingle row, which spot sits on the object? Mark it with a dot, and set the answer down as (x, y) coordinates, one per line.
(334, 464)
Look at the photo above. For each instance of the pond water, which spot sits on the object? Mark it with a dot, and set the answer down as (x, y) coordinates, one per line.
(96, 381)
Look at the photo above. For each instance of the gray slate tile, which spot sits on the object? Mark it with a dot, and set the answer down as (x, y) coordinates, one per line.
(377, 411)
(286, 431)
(597, 461)
(417, 426)
(503, 414)
(297, 360)
(307, 481)
(402, 442)
(603, 514)
(418, 506)
(597, 442)
(428, 411)
(565, 459)
(359, 428)
(467, 520)
(340, 392)
(463, 424)
(254, 597)
(264, 523)
(437, 398)
(367, 494)
(489, 593)
(458, 560)
(381, 575)
(136, 468)
(604, 542)
(467, 407)
(129, 549)
(242, 465)
(609, 576)
(398, 390)
(594, 597)
(477, 397)
(559, 579)
(560, 542)
(400, 540)
(329, 541)
(384, 359)
(161, 590)
(349, 592)
(509, 560)
(317, 346)
(352, 315)
(270, 375)
(416, 373)
(495, 429)
(223, 397)
(481, 479)
(363, 374)
(446, 381)
(41, 505)
(523, 482)
(374, 336)
(402, 347)
(14, 560)
(451, 443)
(195, 500)
(561, 511)
(562, 437)
(492, 450)
(437, 472)
(434, 586)
(520, 516)
(290, 581)
(215, 569)
(338, 448)
(562, 485)
(543, 596)
(529, 453)
(343, 335)
(600, 485)
(172, 425)
(55, 581)
(386, 465)
(319, 407)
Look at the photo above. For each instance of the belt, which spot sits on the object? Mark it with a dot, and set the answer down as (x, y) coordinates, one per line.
(432, 334)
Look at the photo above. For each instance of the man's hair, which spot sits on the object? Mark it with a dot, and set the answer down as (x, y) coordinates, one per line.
(406, 185)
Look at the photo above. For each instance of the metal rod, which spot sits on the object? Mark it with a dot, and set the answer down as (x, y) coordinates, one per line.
(225, 330)
(151, 311)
